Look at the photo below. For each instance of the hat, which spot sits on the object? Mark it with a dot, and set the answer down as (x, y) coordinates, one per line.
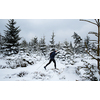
(53, 49)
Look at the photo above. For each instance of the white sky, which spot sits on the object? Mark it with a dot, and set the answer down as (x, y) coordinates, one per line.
(63, 28)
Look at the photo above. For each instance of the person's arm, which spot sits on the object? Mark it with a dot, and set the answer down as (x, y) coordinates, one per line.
(57, 53)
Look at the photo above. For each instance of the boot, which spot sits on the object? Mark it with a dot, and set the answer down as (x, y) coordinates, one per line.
(45, 67)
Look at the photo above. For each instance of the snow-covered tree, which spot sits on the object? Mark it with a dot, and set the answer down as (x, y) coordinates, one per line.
(42, 45)
(34, 44)
(11, 38)
(94, 48)
(71, 46)
(90, 71)
(97, 42)
(87, 43)
(77, 42)
(69, 54)
(24, 43)
(2, 41)
(52, 42)
(77, 39)
(58, 46)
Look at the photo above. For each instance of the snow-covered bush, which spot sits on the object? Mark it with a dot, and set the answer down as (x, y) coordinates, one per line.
(41, 76)
(21, 60)
(21, 74)
(66, 58)
(2, 66)
(87, 71)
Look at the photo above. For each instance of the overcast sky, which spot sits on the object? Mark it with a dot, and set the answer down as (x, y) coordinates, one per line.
(63, 28)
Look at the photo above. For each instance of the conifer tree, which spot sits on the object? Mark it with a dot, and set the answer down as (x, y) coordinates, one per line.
(71, 45)
(97, 42)
(11, 38)
(94, 48)
(77, 38)
(42, 45)
(52, 42)
(68, 48)
(34, 43)
(58, 46)
(77, 42)
(87, 43)
(0, 41)
(24, 44)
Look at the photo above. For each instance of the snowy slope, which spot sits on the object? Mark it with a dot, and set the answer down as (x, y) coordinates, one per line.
(36, 72)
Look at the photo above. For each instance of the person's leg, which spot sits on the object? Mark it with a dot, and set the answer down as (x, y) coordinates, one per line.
(48, 63)
(54, 63)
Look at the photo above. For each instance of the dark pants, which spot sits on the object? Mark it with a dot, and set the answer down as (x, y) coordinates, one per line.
(51, 61)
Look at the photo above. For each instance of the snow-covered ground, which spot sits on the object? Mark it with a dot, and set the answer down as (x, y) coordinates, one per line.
(36, 71)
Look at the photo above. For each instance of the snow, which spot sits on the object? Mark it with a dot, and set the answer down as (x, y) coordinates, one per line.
(36, 71)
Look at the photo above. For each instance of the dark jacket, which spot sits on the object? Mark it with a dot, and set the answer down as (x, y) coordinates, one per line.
(52, 54)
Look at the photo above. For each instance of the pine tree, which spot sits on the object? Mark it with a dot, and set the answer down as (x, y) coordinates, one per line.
(58, 46)
(24, 45)
(68, 49)
(34, 43)
(11, 38)
(42, 45)
(78, 43)
(1, 43)
(87, 43)
(77, 38)
(52, 45)
(94, 48)
(71, 46)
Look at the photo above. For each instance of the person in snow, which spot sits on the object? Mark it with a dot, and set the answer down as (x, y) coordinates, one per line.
(52, 56)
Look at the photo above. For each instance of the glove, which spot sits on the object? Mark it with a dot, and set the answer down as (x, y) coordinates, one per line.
(58, 52)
